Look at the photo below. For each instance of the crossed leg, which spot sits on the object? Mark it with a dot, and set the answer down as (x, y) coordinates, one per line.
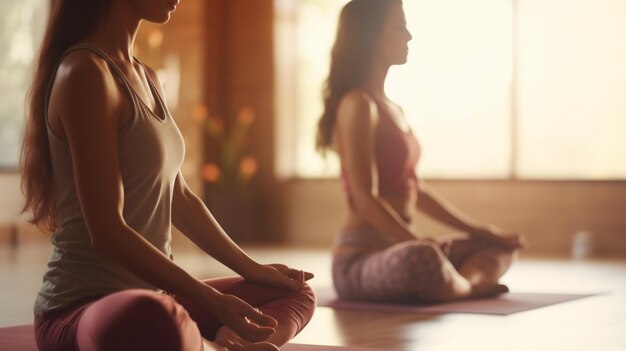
(146, 320)
(291, 309)
(422, 271)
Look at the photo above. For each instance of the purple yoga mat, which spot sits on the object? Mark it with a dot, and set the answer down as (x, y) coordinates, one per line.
(509, 303)
(17, 338)
(304, 347)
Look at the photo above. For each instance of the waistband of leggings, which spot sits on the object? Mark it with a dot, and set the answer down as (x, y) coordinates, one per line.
(363, 238)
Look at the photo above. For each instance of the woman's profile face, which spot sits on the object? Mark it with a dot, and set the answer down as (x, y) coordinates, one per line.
(392, 46)
(156, 11)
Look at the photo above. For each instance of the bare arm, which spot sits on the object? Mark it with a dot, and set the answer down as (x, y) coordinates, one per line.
(194, 220)
(438, 208)
(191, 216)
(357, 119)
(88, 103)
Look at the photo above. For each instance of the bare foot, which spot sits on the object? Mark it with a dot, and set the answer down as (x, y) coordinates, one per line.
(230, 341)
(211, 346)
(488, 290)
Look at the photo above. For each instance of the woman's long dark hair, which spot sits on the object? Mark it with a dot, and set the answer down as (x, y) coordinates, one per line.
(360, 24)
(70, 22)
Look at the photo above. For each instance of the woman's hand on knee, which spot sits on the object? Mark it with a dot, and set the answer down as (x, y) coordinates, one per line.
(248, 322)
(500, 237)
(279, 275)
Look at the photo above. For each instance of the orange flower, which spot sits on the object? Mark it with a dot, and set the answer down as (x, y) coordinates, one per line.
(211, 173)
(200, 113)
(246, 116)
(248, 167)
(215, 126)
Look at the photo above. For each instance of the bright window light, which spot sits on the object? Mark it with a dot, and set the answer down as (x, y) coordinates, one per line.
(20, 31)
(572, 89)
(493, 89)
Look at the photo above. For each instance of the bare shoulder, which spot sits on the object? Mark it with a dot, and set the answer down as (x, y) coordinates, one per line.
(84, 81)
(84, 68)
(357, 107)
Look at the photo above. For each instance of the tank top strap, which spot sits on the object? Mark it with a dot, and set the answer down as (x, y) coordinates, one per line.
(160, 100)
(115, 69)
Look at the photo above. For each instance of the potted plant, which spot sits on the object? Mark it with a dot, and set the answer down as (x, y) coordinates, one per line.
(229, 171)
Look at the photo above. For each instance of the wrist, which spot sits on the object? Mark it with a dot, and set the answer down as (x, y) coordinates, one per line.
(208, 296)
(250, 270)
(473, 228)
(200, 291)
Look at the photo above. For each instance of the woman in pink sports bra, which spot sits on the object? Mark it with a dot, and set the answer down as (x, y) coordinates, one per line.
(378, 257)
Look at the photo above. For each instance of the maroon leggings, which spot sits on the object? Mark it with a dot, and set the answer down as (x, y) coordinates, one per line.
(147, 320)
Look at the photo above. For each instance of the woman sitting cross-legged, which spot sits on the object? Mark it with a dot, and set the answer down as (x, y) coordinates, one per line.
(101, 169)
(377, 256)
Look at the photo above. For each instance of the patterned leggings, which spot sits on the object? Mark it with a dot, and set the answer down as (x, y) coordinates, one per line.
(147, 320)
(369, 267)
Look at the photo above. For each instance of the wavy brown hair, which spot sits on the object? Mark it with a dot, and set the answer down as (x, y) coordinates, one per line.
(360, 24)
(70, 22)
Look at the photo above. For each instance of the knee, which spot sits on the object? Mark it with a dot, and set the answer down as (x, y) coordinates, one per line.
(151, 314)
(295, 309)
(422, 263)
(306, 302)
(152, 306)
(308, 295)
(424, 257)
(138, 320)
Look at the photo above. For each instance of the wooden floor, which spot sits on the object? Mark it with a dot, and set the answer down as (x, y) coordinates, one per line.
(595, 323)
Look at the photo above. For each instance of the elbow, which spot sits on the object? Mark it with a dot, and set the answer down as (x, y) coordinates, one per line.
(104, 238)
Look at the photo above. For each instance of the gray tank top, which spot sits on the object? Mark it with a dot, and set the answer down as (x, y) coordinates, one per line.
(151, 151)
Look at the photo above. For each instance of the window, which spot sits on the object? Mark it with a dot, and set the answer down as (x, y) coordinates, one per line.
(572, 89)
(456, 86)
(20, 31)
(304, 33)
(493, 88)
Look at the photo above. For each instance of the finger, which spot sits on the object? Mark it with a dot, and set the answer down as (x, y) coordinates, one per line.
(308, 275)
(523, 243)
(260, 319)
(517, 241)
(281, 268)
(511, 245)
(250, 331)
(301, 280)
(293, 280)
(295, 274)
(508, 242)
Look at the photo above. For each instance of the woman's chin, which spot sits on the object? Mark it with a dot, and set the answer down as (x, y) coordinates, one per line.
(162, 19)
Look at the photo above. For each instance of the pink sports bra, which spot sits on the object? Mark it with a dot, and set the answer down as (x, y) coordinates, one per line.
(397, 153)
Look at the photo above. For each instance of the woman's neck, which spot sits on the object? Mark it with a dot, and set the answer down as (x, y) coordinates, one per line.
(117, 32)
(375, 81)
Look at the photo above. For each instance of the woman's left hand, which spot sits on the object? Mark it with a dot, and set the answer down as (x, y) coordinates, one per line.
(498, 236)
(279, 275)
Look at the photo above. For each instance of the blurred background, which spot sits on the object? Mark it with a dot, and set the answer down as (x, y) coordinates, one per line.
(520, 106)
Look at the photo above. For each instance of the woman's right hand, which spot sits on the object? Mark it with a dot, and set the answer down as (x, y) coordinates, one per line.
(248, 322)
(500, 237)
